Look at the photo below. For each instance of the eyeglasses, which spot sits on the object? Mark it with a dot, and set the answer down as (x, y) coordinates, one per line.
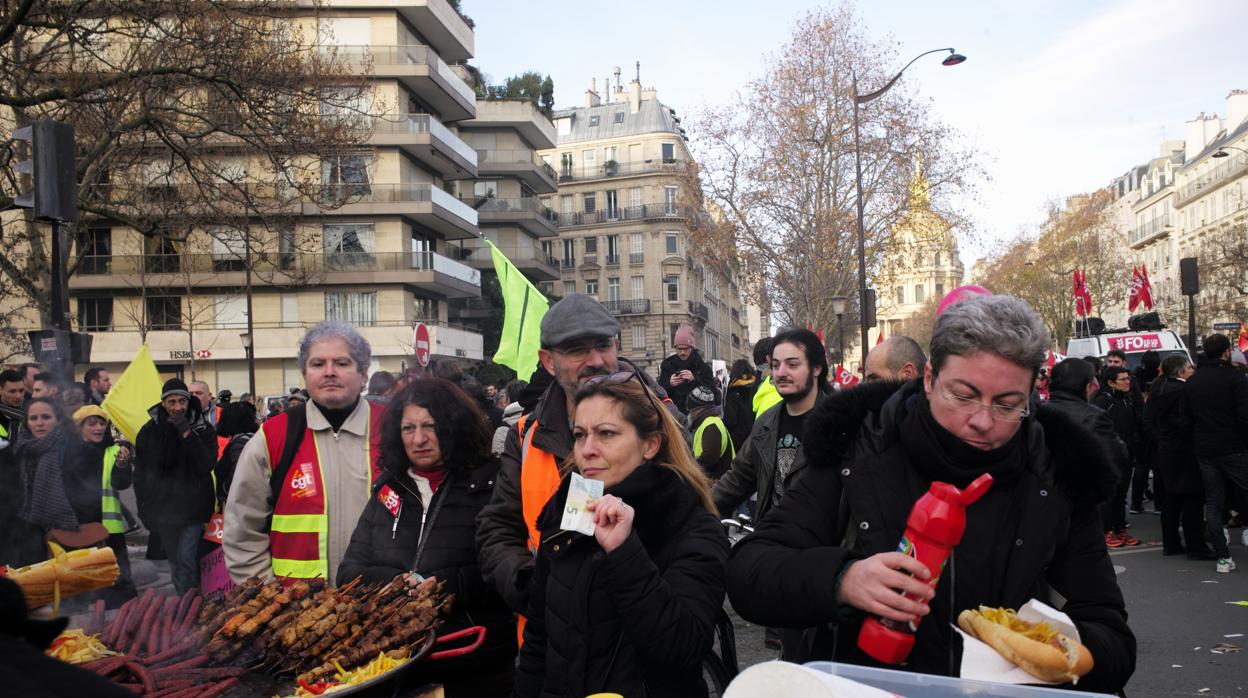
(580, 351)
(624, 377)
(1000, 413)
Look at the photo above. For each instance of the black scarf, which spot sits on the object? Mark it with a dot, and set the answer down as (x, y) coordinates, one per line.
(46, 503)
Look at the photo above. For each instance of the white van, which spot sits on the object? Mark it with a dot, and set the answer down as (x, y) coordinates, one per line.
(1164, 342)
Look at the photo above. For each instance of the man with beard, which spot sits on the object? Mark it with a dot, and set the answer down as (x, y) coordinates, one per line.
(773, 454)
(578, 343)
(685, 370)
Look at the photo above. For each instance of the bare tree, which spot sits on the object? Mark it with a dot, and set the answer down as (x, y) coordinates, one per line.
(1223, 263)
(187, 115)
(779, 164)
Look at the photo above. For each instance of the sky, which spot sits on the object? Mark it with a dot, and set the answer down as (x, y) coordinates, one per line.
(1058, 97)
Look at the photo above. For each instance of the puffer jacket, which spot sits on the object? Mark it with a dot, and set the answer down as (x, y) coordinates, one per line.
(437, 543)
(637, 621)
(1055, 551)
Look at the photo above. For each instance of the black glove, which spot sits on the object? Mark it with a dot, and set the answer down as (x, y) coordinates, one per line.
(180, 422)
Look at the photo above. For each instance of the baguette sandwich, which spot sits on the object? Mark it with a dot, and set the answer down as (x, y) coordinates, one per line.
(1036, 648)
(66, 574)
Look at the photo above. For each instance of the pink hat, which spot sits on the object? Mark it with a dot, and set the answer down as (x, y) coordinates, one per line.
(684, 336)
(958, 294)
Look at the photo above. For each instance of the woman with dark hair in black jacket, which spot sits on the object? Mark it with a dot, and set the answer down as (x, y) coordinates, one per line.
(439, 472)
(632, 608)
(238, 423)
(739, 402)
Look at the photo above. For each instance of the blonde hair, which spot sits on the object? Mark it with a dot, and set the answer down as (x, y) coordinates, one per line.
(647, 415)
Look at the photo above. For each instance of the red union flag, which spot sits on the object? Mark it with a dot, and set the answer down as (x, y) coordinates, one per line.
(844, 378)
(1146, 288)
(1137, 288)
(1243, 338)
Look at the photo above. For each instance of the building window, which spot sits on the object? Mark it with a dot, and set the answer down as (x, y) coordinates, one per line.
(425, 309)
(95, 314)
(344, 176)
(669, 152)
(548, 288)
(230, 312)
(569, 253)
(669, 200)
(938, 259)
(639, 336)
(613, 289)
(639, 287)
(565, 165)
(634, 198)
(609, 154)
(548, 254)
(589, 159)
(613, 249)
(590, 202)
(164, 312)
(636, 248)
(591, 287)
(229, 248)
(940, 290)
(593, 120)
(96, 246)
(901, 295)
(355, 307)
(618, 117)
(671, 287)
(569, 287)
(673, 245)
(918, 293)
(349, 246)
(612, 204)
(591, 245)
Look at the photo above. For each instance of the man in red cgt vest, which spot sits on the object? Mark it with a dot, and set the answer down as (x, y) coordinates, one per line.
(302, 482)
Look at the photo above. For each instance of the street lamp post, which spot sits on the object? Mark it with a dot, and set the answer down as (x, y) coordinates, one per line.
(953, 58)
(838, 309)
(251, 363)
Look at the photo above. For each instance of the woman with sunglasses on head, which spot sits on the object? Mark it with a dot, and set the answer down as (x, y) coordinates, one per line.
(631, 609)
(421, 519)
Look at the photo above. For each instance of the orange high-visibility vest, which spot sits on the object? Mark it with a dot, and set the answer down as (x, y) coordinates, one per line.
(539, 480)
(299, 535)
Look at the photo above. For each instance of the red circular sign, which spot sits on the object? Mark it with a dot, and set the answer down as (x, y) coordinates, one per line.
(423, 347)
(203, 354)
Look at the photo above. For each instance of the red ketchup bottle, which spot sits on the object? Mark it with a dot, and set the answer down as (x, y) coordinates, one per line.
(935, 526)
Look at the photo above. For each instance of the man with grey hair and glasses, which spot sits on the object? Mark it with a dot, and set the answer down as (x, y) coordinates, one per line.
(827, 554)
(302, 482)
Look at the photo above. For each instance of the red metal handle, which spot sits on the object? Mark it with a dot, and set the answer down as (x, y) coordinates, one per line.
(478, 630)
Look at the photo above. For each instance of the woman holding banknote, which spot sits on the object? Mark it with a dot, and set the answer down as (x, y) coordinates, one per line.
(421, 519)
(630, 609)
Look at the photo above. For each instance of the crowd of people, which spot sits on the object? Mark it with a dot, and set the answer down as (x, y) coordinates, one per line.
(447, 477)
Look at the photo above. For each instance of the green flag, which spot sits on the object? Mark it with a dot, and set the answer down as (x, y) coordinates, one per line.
(524, 307)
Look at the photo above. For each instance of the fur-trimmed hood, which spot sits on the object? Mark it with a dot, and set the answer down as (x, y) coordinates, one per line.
(1082, 467)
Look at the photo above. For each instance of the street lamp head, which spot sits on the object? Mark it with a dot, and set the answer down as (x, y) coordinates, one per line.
(1221, 154)
(838, 305)
(246, 337)
(954, 58)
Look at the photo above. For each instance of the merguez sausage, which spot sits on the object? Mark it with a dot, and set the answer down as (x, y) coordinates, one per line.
(143, 627)
(143, 675)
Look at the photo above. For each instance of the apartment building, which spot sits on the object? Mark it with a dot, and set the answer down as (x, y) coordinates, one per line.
(386, 257)
(624, 227)
(1194, 199)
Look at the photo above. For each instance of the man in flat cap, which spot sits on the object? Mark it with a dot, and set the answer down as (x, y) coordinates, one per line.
(578, 343)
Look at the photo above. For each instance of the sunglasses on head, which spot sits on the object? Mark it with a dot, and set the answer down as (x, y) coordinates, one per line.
(624, 377)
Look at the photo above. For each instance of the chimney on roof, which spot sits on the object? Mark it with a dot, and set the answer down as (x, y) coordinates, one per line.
(591, 95)
(1200, 133)
(1236, 109)
(634, 96)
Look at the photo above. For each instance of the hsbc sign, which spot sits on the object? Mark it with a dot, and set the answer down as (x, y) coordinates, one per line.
(1136, 342)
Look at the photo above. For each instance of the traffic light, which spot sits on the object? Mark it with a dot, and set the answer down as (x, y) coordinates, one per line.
(51, 168)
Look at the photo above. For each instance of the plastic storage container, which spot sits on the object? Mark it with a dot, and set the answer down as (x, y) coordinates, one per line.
(910, 685)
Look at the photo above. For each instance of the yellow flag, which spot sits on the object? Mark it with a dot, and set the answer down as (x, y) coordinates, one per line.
(134, 393)
(524, 307)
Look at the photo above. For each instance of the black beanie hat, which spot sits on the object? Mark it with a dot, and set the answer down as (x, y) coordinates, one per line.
(174, 386)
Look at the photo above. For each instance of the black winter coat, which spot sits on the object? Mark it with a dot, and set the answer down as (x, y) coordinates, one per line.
(227, 463)
(438, 543)
(1124, 410)
(637, 621)
(1218, 396)
(1167, 415)
(173, 475)
(783, 575)
(739, 412)
(1083, 412)
(702, 377)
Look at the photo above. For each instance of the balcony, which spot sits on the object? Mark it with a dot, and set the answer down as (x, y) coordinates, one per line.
(424, 137)
(425, 270)
(637, 306)
(568, 173)
(444, 28)
(1152, 230)
(518, 115)
(613, 260)
(529, 259)
(698, 310)
(636, 258)
(423, 203)
(645, 212)
(523, 164)
(418, 67)
(1226, 170)
(528, 212)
